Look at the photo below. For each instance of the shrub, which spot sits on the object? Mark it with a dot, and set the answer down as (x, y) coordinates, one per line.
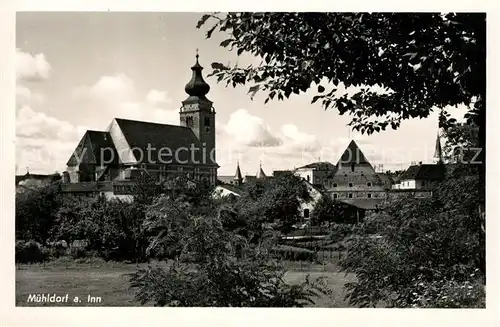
(30, 252)
(439, 241)
(214, 266)
(292, 253)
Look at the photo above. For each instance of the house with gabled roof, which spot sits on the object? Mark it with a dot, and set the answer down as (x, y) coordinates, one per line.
(316, 173)
(128, 147)
(356, 181)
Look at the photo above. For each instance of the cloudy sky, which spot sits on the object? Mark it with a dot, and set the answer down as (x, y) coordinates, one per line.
(78, 71)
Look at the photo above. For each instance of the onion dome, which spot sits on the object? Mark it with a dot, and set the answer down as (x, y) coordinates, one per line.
(197, 86)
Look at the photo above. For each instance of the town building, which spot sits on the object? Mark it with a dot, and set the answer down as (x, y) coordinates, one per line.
(127, 148)
(239, 179)
(316, 173)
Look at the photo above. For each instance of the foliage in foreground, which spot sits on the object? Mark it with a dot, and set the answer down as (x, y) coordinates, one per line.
(217, 267)
(421, 252)
(402, 65)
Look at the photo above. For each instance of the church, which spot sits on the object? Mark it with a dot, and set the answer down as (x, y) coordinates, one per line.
(108, 159)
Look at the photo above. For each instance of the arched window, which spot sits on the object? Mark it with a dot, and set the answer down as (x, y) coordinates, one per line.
(308, 178)
(306, 213)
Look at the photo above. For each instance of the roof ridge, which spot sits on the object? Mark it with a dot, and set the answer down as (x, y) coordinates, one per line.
(149, 122)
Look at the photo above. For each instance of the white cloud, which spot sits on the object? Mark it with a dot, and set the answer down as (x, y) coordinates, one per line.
(38, 125)
(44, 143)
(155, 97)
(109, 88)
(250, 130)
(145, 112)
(31, 67)
(26, 97)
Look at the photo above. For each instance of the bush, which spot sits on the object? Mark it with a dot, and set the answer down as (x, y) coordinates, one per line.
(31, 252)
(439, 241)
(35, 212)
(214, 266)
(292, 253)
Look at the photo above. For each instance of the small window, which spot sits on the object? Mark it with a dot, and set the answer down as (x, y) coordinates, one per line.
(368, 184)
(369, 195)
(207, 124)
(350, 195)
(334, 184)
(308, 178)
(350, 184)
(306, 213)
(423, 183)
(352, 167)
(335, 195)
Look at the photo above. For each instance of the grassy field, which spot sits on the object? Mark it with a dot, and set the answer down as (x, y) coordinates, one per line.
(108, 286)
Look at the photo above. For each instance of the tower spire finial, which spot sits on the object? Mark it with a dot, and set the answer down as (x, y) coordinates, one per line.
(197, 86)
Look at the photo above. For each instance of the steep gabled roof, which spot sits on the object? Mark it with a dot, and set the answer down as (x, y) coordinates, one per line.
(352, 155)
(237, 175)
(95, 147)
(260, 173)
(162, 136)
(425, 172)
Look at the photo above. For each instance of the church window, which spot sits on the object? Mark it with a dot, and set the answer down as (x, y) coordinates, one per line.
(207, 124)
(350, 196)
(189, 121)
(350, 184)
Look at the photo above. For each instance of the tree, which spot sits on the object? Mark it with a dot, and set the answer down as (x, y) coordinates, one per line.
(422, 60)
(216, 267)
(404, 65)
(332, 211)
(274, 201)
(414, 242)
(35, 212)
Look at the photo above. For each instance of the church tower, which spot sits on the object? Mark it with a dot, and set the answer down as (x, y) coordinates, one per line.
(438, 152)
(238, 178)
(198, 113)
